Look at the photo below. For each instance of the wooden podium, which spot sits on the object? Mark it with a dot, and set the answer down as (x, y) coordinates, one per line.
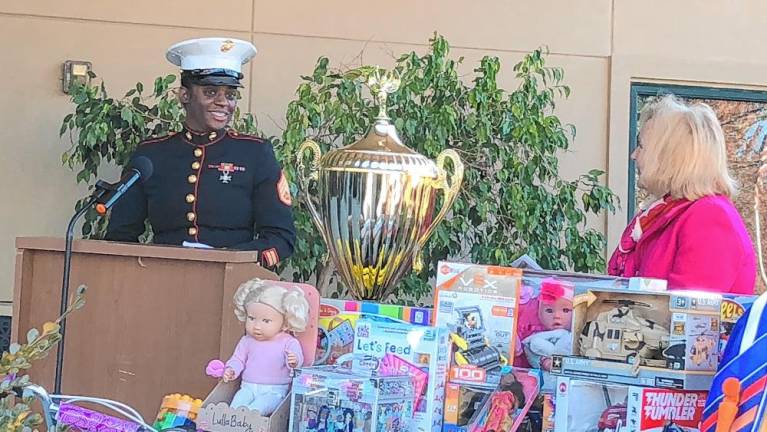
(153, 317)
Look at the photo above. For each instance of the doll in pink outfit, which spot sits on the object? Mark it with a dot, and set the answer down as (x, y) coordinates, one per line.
(545, 323)
(267, 353)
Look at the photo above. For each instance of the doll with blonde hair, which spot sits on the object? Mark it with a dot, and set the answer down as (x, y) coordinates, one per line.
(268, 351)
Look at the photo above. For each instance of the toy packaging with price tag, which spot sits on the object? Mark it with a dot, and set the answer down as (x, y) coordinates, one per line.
(478, 304)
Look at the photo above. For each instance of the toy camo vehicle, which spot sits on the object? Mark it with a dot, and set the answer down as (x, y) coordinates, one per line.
(622, 335)
(473, 347)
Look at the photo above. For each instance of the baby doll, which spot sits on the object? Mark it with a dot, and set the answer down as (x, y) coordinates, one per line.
(552, 336)
(267, 352)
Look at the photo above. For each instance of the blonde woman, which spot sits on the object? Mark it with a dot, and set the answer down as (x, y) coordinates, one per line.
(691, 234)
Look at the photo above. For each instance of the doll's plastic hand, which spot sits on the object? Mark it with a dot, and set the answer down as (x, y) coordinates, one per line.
(229, 374)
(546, 364)
(292, 360)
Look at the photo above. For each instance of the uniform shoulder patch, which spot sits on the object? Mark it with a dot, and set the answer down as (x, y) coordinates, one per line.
(236, 135)
(283, 190)
(158, 139)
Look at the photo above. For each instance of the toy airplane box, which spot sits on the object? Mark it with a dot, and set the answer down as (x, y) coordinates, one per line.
(672, 330)
(733, 307)
(338, 318)
(424, 347)
(478, 304)
(334, 398)
(585, 406)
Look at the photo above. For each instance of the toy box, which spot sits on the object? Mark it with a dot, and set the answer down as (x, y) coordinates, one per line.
(471, 408)
(462, 401)
(585, 406)
(424, 347)
(544, 326)
(673, 330)
(217, 416)
(664, 410)
(334, 398)
(509, 403)
(733, 307)
(478, 304)
(338, 317)
(621, 373)
(548, 410)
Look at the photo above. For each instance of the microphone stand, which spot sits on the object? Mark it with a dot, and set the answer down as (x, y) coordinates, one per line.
(102, 188)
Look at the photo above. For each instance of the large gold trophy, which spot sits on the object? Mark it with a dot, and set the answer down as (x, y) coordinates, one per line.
(376, 201)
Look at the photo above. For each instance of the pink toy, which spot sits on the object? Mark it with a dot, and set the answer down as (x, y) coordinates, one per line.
(502, 404)
(391, 364)
(545, 323)
(268, 352)
(215, 368)
(79, 418)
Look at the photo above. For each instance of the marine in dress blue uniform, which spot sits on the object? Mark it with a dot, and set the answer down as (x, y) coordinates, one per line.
(211, 186)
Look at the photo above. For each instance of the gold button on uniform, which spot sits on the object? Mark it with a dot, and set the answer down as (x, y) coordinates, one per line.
(197, 152)
(190, 216)
(192, 178)
(195, 165)
(190, 198)
(192, 231)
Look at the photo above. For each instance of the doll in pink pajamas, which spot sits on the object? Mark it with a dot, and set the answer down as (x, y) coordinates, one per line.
(267, 352)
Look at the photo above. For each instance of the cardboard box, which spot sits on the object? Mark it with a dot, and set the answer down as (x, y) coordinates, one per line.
(424, 347)
(462, 401)
(478, 304)
(733, 307)
(545, 329)
(673, 330)
(548, 412)
(334, 398)
(338, 318)
(659, 410)
(622, 373)
(583, 406)
(217, 416)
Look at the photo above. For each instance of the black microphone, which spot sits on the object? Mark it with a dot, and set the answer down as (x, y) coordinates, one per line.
(141, 169)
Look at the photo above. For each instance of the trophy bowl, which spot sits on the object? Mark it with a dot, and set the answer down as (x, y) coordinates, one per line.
(375, 206)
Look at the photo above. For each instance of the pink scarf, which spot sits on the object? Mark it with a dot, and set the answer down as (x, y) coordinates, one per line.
(625, 260)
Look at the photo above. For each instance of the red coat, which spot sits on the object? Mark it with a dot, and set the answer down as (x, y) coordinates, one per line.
(698, 245)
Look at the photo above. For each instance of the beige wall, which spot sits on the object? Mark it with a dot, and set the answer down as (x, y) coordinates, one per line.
(602, 45)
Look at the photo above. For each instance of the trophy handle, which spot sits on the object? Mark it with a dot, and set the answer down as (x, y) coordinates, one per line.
(450, 188)
(303, 180)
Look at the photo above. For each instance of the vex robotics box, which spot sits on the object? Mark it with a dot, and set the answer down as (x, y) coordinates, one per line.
(333, 398)
(339, 317)
(423, 347)
(672, 330)
(478, 304)
(586, 406)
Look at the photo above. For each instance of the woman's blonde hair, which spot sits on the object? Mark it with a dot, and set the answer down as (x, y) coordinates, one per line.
(291, 303)
(682, 151)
